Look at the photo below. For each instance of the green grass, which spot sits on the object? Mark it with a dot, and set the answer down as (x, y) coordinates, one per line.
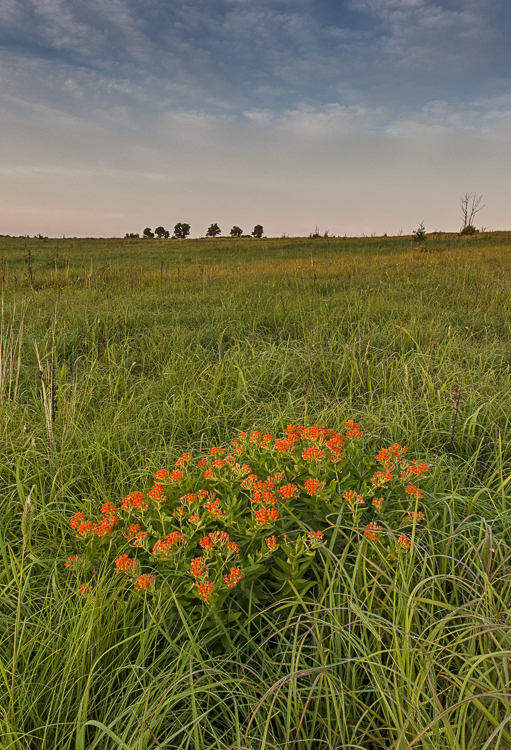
(161, 346)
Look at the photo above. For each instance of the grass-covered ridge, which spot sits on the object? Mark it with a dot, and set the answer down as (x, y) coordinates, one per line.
(157, 347)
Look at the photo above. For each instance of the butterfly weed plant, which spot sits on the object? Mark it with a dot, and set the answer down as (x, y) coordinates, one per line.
(247, 522)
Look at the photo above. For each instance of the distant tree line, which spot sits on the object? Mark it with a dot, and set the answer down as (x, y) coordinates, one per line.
(182, 230)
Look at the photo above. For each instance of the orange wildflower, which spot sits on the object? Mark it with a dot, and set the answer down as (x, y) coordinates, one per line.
(208, 474)
(219, 463)
(380, 478)
(313, 486)
(72, 560)
(76, 520)
(377, 502)
(371, 531)
(265, 515)
(126, 564)
(109, 509)
(288, 491)
(205, 591)
(182, 460)
(234, 577)
(353, 498)
(271, 543)
(233, 547)
(202, 462)
(194, 518)
(316, 536)
(106, 526)
(389, 457)
(156, 493)
(414, 491)
(216, 451)
(206, 543)
(161, 474)
(84, 588)
(213, 507)
(164, 546)
(198, 567)
(312, 454)
(176, 475)
(145, 581)
(404, 542)
(135, 501)
(412, 516)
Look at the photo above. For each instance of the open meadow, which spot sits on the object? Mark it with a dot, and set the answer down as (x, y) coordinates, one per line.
(118, 356)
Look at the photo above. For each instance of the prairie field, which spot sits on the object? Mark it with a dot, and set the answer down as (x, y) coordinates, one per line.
(118, 355)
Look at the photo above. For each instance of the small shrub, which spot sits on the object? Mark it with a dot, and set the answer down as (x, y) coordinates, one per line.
(419, 234)
(247, 522)
(469, 230)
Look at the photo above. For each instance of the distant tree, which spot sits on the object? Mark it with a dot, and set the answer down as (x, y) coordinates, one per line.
(161, 232)
(131, 236)
(181, 231)
(236, 231)
(419, 235)
(213, 230)
(258, 231)
(147, 234)
(470, 205)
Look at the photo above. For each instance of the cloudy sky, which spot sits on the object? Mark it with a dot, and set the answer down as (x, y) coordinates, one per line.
(357, 116)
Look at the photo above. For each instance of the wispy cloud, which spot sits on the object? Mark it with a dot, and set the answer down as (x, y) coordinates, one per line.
(290, 93)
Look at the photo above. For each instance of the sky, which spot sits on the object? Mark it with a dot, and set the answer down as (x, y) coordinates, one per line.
(352, 116)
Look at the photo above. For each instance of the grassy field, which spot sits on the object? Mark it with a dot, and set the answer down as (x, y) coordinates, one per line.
(118, 355)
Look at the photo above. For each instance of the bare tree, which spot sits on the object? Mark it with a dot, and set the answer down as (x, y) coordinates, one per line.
(470, 204)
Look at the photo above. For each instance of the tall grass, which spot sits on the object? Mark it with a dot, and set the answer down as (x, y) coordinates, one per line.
(149, 348)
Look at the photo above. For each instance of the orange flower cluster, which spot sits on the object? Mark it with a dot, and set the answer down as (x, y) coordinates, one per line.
(412, 516)
(352, 429)
(316, 536)
(164, 547)
(182, 460)
(125, 564)
(404, 542)
(288, 491)
(145, 581)
(410, 489)
(381, 478)
(198, 567)
(392, 456)
(135, 535)
(84, 527)
(206, 589)
(213, 507)
(265, 515)
(377, 502)
(371, 531)
(156, 493)
(190, 498)
(234, 577)
(312, 454)
(161, 474)
(271, 543)
(353, 498)
(135, 501)
(216, 451)
(313, 486)
(72, 560)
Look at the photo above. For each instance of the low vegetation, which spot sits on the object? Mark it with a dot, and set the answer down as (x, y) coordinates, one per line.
(120, 357)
